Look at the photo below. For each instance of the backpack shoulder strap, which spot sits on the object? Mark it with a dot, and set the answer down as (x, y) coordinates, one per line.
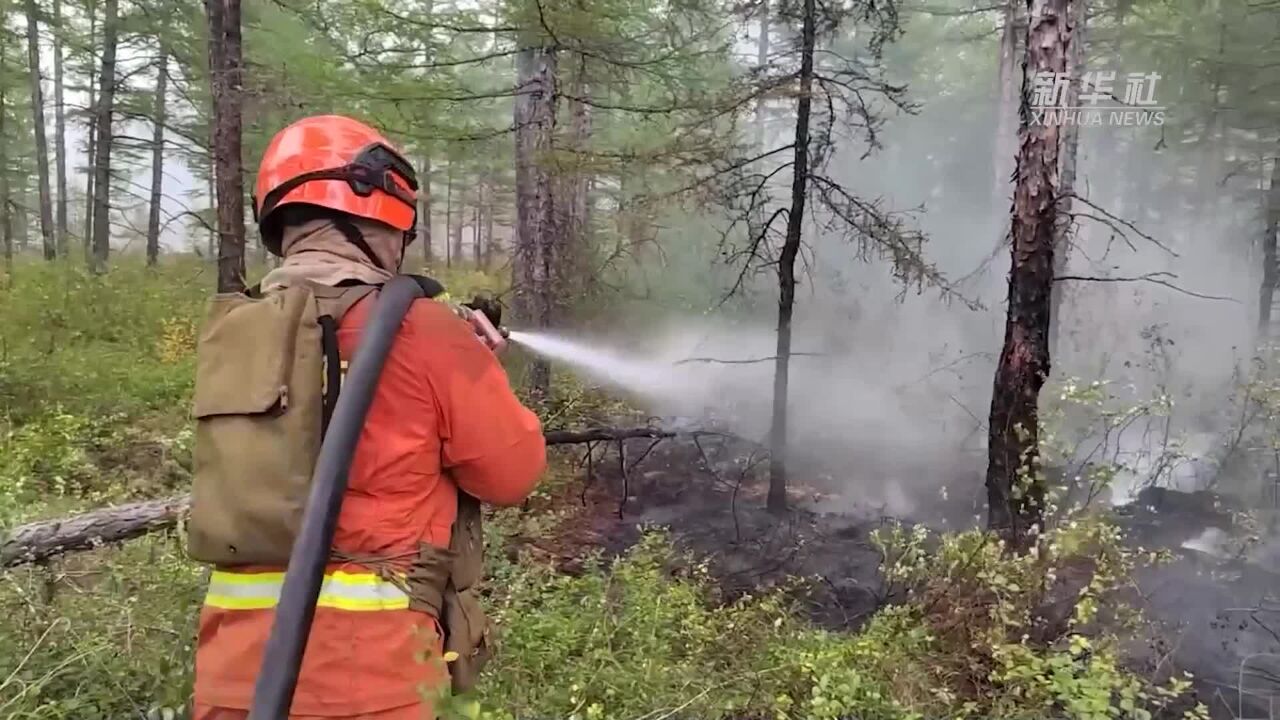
(332, 303)
(430, 286)
(336, 301)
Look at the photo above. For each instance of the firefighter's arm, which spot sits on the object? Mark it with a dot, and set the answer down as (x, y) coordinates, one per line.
(492, 445)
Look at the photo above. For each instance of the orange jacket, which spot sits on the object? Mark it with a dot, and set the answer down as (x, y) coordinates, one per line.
(443, 417)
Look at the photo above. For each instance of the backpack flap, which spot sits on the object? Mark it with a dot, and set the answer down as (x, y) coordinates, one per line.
(258, 415)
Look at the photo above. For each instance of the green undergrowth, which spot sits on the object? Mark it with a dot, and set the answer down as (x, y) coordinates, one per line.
(109, 634)
(95, 381)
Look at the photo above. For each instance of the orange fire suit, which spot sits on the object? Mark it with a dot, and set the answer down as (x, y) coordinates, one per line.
(443, 417)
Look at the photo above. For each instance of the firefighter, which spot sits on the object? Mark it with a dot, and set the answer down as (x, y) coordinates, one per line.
(338, 202)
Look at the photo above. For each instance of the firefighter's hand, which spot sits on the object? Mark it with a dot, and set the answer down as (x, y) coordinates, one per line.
(486, 332)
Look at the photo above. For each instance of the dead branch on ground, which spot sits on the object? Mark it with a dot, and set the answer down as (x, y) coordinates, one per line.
(45, 539)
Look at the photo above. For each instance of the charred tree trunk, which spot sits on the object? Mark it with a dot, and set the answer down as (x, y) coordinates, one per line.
(787, 266)
(42, 140)
(1070, 150)
(91, 132)
(59, 134)
(157, 160)
(424, 208)
(227, 74)
(1015, 491)
(102, 163)
(536, 233)
(1266, 299)
(1009, 81)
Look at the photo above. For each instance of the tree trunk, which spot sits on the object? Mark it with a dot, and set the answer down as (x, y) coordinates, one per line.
(762, 62)
(157, 160)
(59, 134)
(42, 141)
(102, 163)
(41, 540)
(22, 232)
(448, 218)
(1070, 150)
(755, 215)
(6, 204)
(226, 72)
(787, 266)
(476, 241)
(424, 208)
(91, 132)
(1266, 299)
(487, 261)
(536, 232)
(1015, 490)
(577, 180)
(1009, 81)
(460, 219)
(212, 191)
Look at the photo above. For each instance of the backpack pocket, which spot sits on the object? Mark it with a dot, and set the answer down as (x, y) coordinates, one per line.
(257, 409)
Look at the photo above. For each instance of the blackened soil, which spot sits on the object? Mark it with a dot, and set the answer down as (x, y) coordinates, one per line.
(710, 497)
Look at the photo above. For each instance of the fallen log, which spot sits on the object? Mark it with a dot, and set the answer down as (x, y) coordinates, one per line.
(42, 540)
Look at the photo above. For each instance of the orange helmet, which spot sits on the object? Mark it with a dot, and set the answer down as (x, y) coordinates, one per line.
(338, 163)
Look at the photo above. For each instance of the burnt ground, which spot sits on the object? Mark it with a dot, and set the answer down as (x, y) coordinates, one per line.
(1213, 604)
(711, 497)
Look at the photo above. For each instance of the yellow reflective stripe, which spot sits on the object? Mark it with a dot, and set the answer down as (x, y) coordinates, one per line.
(235, 578)
(341, 590)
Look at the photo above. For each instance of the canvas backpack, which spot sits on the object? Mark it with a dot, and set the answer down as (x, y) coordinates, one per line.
(268, 374)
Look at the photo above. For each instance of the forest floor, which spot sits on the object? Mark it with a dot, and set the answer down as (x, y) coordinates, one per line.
(717, 513)
(1210, 604)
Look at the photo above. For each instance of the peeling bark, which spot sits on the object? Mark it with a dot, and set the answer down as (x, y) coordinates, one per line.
(1015, 492)
(777, 501)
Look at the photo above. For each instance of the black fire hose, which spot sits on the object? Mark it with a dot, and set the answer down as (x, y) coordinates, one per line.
(282, 659)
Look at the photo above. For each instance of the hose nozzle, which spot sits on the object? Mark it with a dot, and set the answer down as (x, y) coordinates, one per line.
(486, 317)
